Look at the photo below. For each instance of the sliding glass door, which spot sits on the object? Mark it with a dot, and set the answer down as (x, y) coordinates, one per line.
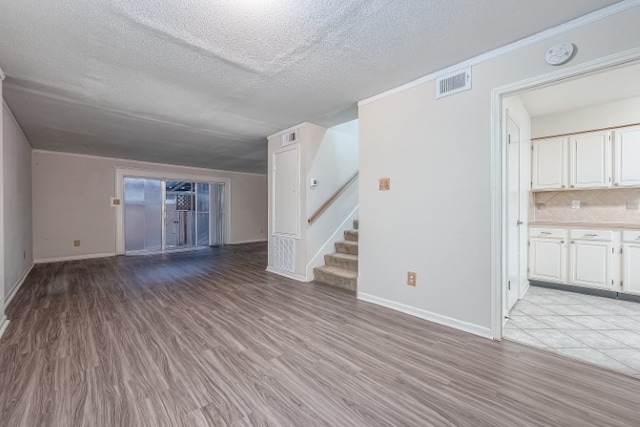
(164, 215)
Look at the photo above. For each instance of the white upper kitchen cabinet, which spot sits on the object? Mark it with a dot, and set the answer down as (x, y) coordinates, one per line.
(590, 160)
(549, 169)
(627, 156)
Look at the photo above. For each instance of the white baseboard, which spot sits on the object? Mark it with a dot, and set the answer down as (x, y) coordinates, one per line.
(73, 258)
(242, 242)
(17, 286)
(3, 325)
(427, 315)
(288, 275)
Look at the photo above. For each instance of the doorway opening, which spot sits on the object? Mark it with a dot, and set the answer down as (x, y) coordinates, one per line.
(163, 215)
(571, 216)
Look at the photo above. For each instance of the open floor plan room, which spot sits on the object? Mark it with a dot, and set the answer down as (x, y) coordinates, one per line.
(208, 338)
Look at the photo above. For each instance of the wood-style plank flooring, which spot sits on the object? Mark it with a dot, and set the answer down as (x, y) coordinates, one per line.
(208, 338)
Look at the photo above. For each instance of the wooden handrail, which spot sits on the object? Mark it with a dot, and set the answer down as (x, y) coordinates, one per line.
(331, 199)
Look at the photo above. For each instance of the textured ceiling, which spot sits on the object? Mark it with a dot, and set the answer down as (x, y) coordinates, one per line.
(202, 82)
(608, 86)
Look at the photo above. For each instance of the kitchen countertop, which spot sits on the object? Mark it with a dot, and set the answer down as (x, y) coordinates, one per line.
(587, 225)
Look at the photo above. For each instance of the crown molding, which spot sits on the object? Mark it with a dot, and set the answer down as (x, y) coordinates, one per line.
(520, 44)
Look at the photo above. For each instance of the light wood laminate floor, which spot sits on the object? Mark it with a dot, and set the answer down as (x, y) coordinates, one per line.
(208, 338)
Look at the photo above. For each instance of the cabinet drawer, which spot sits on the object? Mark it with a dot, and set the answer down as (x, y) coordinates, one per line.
(606, 235)
(549, 233)
(631, 236)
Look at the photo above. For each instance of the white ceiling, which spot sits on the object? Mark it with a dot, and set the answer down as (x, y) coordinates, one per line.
(202, 82)
(608, 86)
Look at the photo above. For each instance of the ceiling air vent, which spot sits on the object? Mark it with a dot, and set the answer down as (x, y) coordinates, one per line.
(289, 138)
(453, 83)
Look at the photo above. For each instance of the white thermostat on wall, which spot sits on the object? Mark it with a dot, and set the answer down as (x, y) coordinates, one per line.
(313, 182)
(560, 54)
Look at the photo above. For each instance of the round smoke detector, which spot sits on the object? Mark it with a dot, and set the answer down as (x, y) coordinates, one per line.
(560, 54)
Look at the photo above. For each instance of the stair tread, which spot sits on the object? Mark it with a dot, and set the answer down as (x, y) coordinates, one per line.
(349, 242)
(341, 272)
(343, 256)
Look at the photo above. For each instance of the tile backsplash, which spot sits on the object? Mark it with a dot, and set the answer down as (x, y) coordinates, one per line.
(597, 206)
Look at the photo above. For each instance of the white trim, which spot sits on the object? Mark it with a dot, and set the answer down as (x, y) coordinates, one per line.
(290, 129)
(288, 275)
(123, 171)
(520, 44)
(327, 247)
(17, 286)
(498, 180)
(524, 289)
(2, 76)
(242, 242)
(15, 121)
(427, 315)
(151, 164)
(3, 325)
(73, 258)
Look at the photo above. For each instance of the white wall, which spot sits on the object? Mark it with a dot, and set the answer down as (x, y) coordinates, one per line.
(3, 318)
(18, 239)
(618, 113)
(71, 200)
(331, 156)
(436, 220)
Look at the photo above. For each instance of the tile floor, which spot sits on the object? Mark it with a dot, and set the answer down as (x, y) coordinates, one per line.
(597, 330)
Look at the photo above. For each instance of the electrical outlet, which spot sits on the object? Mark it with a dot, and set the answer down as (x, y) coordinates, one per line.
(411, 278)
(76, 243)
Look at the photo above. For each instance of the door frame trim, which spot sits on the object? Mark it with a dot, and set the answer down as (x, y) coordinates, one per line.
(498, 164)
(122, 172)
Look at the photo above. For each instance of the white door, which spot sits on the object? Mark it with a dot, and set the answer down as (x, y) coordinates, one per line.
(514, 222)
(549, 164)
(590, 155)
(548, 260)
(631, 268)
(286, 181)
(590, 263)
(627, 156)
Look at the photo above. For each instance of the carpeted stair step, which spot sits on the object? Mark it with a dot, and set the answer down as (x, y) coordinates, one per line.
(351, 235)
(344, 261)
(346, 247)
(335, 276)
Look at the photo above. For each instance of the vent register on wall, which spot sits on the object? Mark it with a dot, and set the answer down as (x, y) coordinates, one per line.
(453, 83)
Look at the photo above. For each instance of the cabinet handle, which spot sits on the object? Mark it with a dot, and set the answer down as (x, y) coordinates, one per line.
(564, 186)
(562, 242)
(573, 243)
(616, 184)
(590, 235)
(573, 186)
(547, 233)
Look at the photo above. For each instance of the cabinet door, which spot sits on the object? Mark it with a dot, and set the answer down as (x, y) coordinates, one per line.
(631, 268)
(590, 164)
(627, 156)
(548, 260)
(549, 169)
(590, 264)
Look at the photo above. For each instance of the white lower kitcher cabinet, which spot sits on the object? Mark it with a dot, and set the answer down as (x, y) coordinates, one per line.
(631, 262)
(591, 257)
(548, 254)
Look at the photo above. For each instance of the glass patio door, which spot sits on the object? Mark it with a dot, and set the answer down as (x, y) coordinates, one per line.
(164, 215)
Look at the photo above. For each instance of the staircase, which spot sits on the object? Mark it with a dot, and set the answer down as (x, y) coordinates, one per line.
(341, 267)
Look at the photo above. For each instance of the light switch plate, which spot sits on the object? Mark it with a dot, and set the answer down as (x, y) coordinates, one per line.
(576, 204)
(385, 184)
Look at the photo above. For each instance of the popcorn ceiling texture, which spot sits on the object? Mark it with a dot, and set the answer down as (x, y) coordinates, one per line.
(203, 82)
